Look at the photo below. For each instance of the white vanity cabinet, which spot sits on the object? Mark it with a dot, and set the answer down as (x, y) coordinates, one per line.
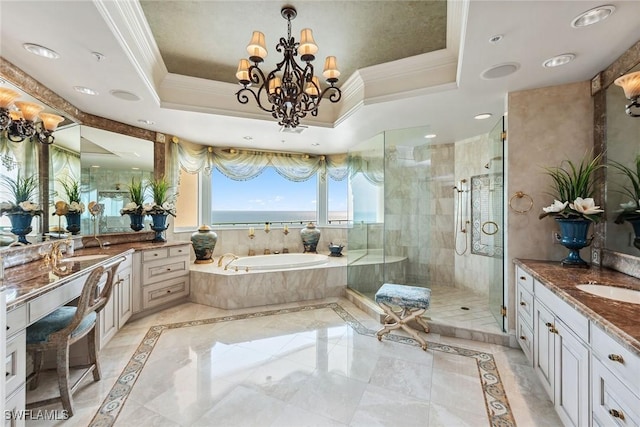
(615, 380)
(15, 365)
(163, 277)
(555, 338)
(119, 308)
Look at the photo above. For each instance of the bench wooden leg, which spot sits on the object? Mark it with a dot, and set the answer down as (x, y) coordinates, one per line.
(395, 320)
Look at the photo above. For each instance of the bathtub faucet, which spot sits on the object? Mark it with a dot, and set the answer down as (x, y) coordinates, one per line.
(233, 258)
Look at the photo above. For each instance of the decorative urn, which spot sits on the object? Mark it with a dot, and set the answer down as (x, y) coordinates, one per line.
(310, 237)
(204, 242)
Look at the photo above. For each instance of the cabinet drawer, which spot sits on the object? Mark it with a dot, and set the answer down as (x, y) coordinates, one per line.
(16, 363)
(525, 338)
(48, 302)
(16, 320)
(525, 305)
(161, 293)
(622, 362)
(524, 279)
(154, 254)
(164, 269)
(569, 315)
(179, 251)
(613, 403)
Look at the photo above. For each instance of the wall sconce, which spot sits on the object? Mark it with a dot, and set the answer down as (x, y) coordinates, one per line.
(22, 123)
(630, 83)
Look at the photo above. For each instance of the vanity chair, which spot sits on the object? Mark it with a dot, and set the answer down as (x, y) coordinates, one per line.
(66, 325)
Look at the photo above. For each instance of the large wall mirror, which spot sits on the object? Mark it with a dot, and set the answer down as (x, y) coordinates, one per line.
(617, 134)
(110, 161)
(102, 162)
(623, 147)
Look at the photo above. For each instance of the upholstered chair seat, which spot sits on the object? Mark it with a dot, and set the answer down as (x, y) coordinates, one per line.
(67, 325)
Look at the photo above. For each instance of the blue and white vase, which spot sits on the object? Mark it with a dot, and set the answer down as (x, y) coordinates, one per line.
(573, 236)
(137, 222)
(310, 237)
(204, 242)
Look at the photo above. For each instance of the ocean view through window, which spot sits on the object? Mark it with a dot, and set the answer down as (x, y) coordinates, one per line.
(272, 198)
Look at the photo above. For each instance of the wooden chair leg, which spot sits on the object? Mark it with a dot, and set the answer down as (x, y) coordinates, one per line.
(38, 362)
(62, 369)
(94, 357)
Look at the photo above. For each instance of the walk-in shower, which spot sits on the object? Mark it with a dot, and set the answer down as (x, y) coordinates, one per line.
(404, 209)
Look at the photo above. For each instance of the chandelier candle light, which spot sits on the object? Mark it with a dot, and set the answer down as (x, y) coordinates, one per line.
(292, 90)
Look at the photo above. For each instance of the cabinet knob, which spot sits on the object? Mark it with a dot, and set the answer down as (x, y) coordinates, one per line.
(616, 358)
(8, 328)
(523, 338)
(7, 374)
(522, 303)
(616, 414)
(523, 278)
(548, 324)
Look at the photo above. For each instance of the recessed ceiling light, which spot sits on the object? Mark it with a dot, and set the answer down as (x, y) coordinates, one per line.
(248, 138)
(593, 16)
(315, 144)
(146, 122)
(500, 70)
(123, 94)
(482, 116)
(558, 60)
(45, 52)
(85, 90)
(430, 136)
(496, 39)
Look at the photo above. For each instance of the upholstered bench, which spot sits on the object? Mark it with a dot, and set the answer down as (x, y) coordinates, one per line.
(413, 301)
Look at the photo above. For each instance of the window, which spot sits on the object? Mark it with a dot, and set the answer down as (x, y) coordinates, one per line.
(267, 198)
(337, 201)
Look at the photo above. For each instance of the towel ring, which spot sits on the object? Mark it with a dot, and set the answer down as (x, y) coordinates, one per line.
(520, 195)
(491, 223)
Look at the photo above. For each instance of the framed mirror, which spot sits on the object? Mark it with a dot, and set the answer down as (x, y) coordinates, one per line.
(622, 147)
(109, 161)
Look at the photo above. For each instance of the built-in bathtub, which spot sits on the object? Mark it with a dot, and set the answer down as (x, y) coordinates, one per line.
(283, 278)
(268, 279)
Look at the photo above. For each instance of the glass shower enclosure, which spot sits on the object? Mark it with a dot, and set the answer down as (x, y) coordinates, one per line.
(403, 231)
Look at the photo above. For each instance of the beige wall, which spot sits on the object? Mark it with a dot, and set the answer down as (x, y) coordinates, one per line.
(546, 126)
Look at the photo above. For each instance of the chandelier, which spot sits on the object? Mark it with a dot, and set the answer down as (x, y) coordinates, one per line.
(22, 122)
(630, 84)
(290, 91)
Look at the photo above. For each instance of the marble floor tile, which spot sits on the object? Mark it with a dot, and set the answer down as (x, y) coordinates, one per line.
(314, 364)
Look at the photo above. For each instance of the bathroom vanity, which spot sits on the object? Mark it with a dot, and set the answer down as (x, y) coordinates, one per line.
(147, 279)
(584, 348)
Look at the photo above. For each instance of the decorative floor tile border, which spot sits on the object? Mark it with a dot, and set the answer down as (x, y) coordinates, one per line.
(496, 402)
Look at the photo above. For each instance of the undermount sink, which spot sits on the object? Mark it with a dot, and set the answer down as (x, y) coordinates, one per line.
(84, 258)
(612, 292)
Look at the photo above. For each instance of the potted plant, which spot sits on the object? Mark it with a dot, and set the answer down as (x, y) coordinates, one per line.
(73, 208)
(573, 207)
(631, 210)
(161, 206)
(21, 209)
(135, 207)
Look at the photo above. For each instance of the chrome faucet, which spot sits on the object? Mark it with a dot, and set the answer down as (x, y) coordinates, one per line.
(233, 258)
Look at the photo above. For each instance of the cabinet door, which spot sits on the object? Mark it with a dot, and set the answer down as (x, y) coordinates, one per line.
(109, 319)
(125, 294)
(571, 377)
(544, 348)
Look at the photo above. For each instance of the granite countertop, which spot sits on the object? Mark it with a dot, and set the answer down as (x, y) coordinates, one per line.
(27, 281)
(620, 319)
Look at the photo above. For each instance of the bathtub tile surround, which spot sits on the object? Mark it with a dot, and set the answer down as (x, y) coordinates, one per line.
(230, 289)
(317, 364)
